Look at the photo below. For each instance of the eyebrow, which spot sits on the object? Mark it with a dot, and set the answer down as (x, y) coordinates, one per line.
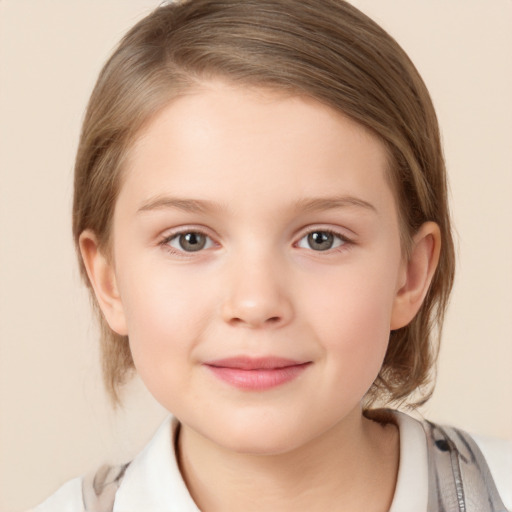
(206, 206)
(331, 203)
(187, 205)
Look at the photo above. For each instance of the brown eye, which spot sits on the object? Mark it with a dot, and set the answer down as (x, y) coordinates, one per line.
(192, 241)
(321, 241)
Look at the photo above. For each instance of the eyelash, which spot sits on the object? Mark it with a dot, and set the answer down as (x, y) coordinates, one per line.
(343, 241)
(165, 243)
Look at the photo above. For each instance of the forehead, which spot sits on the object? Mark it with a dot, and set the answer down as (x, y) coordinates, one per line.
(221, 141)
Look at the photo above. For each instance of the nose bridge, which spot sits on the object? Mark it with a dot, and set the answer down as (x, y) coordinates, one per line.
(257, 294)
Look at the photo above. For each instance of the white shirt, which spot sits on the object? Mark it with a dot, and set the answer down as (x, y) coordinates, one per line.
(153, 482)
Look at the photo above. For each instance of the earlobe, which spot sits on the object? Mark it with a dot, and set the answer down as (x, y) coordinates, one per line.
(103, 280)
(419, 271)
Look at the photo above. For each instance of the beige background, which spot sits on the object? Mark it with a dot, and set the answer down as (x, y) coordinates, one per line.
(54, 420)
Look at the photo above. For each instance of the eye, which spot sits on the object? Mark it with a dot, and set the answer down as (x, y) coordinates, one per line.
(321, 240)
(190, 241)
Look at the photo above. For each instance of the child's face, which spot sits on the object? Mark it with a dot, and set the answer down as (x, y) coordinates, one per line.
(293, 255)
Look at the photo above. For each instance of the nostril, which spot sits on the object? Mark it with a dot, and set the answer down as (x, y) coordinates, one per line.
(269, 321)
(259, 311)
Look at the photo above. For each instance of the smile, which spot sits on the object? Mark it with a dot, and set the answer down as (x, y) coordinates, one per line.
(256, 374)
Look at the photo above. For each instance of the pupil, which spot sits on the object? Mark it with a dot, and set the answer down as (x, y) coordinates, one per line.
(192, 241)
(320, 240)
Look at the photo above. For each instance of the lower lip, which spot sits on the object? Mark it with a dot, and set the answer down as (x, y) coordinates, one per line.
(258, 379)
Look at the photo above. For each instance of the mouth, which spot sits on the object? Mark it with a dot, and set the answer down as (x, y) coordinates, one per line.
(256, 374)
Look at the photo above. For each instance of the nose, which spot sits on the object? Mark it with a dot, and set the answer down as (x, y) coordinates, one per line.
(257, 296)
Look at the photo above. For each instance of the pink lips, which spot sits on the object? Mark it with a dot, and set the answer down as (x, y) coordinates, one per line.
(256, 373)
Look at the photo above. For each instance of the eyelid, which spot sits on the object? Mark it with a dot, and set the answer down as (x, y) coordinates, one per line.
(183, 230)
(337, 232)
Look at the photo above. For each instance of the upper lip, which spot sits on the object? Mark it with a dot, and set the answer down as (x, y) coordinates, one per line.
(254, 363)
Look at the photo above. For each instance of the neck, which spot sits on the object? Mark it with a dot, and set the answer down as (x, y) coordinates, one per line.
(334, 472)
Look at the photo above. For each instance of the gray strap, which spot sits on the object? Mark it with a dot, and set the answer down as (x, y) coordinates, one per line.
(459, 477)
(99, 488)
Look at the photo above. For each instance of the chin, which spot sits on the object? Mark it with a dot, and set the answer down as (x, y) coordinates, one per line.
(264, 445)
(261, 437)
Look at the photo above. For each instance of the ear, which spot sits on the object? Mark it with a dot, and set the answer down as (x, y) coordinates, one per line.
(103, 280)
(417, 274)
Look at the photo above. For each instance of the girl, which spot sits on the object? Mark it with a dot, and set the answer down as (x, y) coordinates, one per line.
(261, 215)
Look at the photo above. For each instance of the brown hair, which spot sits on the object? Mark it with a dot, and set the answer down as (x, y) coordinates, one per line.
(327, 50)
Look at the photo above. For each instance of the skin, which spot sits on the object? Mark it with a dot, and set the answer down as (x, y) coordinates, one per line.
(255, 172)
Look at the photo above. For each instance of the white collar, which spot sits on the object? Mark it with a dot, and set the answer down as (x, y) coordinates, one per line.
(411, 491)
(153, 480)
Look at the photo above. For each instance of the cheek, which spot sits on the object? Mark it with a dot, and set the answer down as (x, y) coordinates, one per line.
(166, 316)
(351, 317)
(356, 300)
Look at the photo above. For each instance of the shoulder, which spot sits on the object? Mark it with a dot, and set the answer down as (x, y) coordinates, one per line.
(68, 498)
(498, 454)
(152, 481)
(439, 464)
(478, 467)
(93, 492)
